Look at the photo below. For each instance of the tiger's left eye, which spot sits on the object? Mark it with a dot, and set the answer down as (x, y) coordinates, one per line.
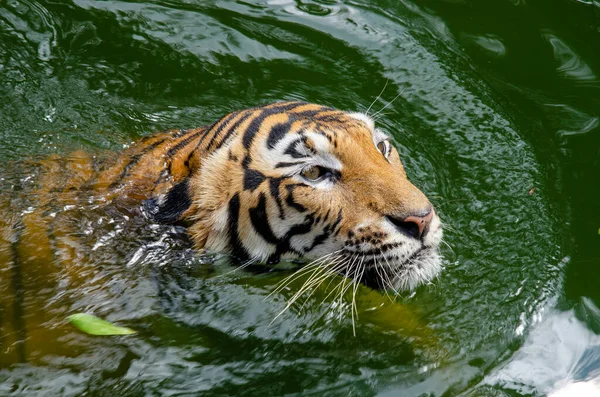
(384, 147)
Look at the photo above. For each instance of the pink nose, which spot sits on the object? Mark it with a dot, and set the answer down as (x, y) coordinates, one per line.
(415, 225)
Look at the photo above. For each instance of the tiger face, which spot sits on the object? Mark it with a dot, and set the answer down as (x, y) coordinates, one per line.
(296, 180)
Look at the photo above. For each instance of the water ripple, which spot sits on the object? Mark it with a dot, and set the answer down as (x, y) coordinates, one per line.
(570, 64)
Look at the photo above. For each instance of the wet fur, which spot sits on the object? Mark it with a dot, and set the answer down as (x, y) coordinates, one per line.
(238, 187)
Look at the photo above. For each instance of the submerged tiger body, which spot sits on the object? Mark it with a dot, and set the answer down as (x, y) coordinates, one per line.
(286, 180)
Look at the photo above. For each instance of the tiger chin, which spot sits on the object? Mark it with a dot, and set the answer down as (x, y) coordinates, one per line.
(294, 180)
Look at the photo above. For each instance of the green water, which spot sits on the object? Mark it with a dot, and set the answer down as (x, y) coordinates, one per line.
(498, 123)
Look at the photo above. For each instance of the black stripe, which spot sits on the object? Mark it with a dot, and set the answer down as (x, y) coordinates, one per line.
(260, 221)
(319, 239)
(246, 161)
(18, 304)
(255, 124)
(176, 202)
(134, 160)
(284, 244)
(186, 163)
(301, 228)
(337, 221)
(222, 123)
(180, 133)
(237, 248)
(183, 143)
(277, 133)
(233, 128)
(274, 184)
(208, 132)
(290, 198)
(310, 114)
(252, 179)
(291, 150)
(161, 178)
(327, 231)
(284, 164)
(333, 118)
(320, 131)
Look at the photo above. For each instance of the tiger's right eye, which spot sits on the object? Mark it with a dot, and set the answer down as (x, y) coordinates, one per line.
(313, 172)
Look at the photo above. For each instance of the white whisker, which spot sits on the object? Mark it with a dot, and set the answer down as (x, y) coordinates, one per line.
(241, 267)
(382, 278)
(294, 276)
(317, 283)
(392, 101)
(317, 270)
(316, 275)
(353, 307)
(378, 96)
(335, 289)
(388, 278)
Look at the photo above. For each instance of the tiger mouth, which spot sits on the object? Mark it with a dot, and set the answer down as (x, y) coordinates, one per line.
(387, 272)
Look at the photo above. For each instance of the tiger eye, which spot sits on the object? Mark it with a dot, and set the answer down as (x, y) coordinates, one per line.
(311, 173)
(384, 147)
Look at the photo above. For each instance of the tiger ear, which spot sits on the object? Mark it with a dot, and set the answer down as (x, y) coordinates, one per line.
(171, 208)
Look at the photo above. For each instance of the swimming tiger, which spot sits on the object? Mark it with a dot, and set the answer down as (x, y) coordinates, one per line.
(289, 180)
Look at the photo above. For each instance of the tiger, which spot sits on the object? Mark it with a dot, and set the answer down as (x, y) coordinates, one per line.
(283, 181)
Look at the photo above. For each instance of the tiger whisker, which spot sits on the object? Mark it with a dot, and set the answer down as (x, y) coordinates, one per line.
(381, 115)
(350, 281)
(378, 96)
(339, 287)
(448, 227)
(382, 277)
(335, 289)
(447, 245)
(360, 272)
(315, 275)
(390, 102)
(389, 281)
(320, 280)
(342, 283)
(316, 268)
(238, 268)
(317, 272)
(299, 293)
(353, 306)
(294, 276)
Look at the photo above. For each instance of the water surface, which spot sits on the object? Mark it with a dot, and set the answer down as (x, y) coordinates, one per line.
(497, 122)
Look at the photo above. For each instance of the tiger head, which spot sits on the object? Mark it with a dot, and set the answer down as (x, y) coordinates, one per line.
(297, 180)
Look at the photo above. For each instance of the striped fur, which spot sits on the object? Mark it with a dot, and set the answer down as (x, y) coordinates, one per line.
(238, 186)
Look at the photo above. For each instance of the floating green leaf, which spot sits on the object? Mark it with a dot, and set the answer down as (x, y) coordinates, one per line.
(93, 325)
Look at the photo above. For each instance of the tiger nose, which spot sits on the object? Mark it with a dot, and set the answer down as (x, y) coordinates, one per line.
(415, 225)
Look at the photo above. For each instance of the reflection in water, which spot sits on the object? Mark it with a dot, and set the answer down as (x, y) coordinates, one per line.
(490, 44)
(560, 356)
(569, 121)
(569, 63)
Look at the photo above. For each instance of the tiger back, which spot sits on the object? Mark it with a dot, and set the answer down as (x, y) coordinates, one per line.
(49, 236)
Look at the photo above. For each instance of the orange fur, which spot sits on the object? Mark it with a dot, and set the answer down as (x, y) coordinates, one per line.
(247, 196)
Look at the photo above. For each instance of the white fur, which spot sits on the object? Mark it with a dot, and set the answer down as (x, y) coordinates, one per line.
(364, 118)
